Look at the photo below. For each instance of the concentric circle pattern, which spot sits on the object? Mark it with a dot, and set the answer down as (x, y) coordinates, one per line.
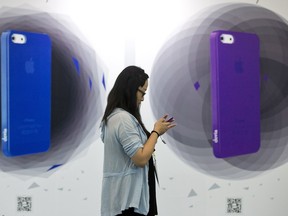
(181, 78)
(77, 89)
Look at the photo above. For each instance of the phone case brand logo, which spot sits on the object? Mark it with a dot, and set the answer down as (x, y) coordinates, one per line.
(215, 136)
(4, 135)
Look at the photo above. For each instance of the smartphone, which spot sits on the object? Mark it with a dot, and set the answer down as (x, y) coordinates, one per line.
(235, 93)
(170, 119)
(25, 92)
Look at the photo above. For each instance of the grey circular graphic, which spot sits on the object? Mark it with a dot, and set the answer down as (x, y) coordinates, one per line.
(181, 78)
(78, 90)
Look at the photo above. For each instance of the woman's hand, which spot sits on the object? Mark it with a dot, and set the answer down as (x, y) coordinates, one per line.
(143, 155)
(162, 125)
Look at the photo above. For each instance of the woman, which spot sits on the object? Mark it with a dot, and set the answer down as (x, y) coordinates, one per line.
(128, 186)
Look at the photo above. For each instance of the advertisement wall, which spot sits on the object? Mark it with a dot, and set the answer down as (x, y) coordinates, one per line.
(91, 43)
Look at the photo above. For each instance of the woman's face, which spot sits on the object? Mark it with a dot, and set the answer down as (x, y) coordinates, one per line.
(141, 92)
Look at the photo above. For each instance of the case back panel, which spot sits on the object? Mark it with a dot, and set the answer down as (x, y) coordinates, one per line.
(25, 92)
(235, 93)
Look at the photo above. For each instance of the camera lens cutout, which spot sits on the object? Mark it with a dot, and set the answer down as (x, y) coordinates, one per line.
(18, 38)
(227, 38)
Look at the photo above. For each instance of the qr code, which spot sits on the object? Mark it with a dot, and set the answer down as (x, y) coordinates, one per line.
(24, 204)
(234, 205)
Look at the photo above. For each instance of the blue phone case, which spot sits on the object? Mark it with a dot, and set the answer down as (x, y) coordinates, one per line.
(25, 92)
(235, 93)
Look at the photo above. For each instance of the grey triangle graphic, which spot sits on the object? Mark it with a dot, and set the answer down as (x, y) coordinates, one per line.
(214, 186)
(34, 185)
(192, 193)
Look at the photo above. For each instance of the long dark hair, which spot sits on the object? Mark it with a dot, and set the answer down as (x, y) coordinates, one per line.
(123, 93)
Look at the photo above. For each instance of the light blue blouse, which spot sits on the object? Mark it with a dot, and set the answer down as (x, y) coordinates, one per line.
(124, 184)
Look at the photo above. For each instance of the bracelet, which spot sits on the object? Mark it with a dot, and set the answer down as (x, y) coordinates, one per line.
(158, 135)
(155, 132)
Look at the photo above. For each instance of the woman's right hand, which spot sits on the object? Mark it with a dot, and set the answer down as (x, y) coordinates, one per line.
(143, 155)
(162, 125)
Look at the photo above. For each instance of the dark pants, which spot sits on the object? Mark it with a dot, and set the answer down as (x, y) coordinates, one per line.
(129, 212)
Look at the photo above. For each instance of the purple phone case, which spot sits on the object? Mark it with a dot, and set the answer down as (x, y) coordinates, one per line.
(235, 94)
(170, 119)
